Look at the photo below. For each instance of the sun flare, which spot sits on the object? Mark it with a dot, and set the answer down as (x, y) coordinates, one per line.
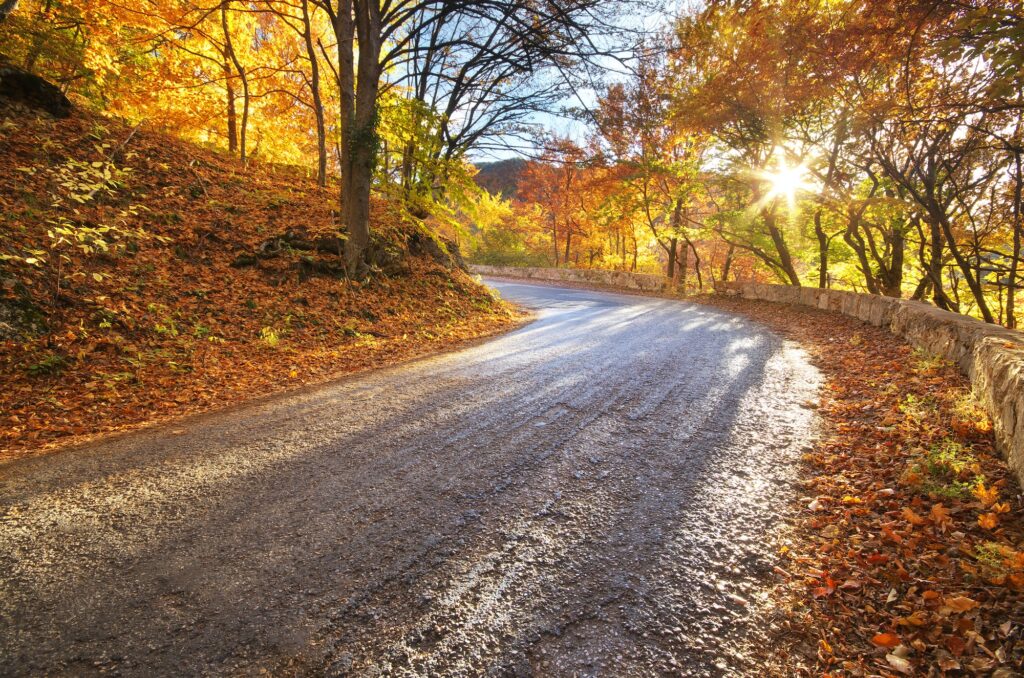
(785, 181)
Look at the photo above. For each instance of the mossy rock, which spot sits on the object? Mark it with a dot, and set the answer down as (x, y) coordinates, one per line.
(20, 319)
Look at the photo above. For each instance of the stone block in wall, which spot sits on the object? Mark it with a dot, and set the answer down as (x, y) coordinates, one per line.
(935, 331)
(809, 296)
(874, 309)
(848, 304)
(621, 279)
(998, 366)
(788, 294)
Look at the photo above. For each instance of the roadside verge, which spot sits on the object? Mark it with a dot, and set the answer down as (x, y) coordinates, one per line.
(38, 419)
(906, 555)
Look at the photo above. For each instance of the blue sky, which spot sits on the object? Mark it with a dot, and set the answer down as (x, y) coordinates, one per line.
(653, 20)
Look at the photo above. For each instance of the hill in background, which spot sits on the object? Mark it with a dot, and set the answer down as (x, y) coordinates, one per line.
(502, 176)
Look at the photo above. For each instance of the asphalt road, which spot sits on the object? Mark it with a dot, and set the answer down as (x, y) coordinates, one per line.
(596, 493)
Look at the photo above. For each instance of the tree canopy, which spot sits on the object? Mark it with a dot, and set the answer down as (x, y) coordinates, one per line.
(872, 146)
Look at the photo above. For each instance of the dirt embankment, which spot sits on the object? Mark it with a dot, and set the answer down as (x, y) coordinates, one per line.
(142, 278)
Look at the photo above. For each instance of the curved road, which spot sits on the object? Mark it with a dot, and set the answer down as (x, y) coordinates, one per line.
(593, 494)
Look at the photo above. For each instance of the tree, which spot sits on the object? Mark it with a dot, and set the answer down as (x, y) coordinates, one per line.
(7, 8)
(373, 37)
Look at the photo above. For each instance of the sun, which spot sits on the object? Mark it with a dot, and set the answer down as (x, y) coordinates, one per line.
(785, 181)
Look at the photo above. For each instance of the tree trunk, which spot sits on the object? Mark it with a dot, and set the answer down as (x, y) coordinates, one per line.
(39, 39)
(318, 104)
(568, 242)
(344, 31)
(7, 8)
(923, 285)
(822, 251)
(965, 267)
(232, 114)
(684, 264)
(780, 246)
(934, 268)
(408, 168)
(229, 48)
(554, 237)
(894, 275)
(696, 264)
(671, 271)
(1018, 226)
(856, 242)
(727, 264)
(358, 121)
(244, 127)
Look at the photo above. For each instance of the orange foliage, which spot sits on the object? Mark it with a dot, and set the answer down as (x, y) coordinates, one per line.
(167, 325)
(939, 581)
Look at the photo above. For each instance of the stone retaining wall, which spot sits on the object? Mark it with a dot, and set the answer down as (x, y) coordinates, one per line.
(992, 357)
(622, 279)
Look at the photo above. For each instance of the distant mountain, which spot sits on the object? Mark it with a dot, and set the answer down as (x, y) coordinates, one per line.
(502, 176)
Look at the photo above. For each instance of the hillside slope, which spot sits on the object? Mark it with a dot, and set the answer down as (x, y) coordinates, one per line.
(143, 278)
(502, 176)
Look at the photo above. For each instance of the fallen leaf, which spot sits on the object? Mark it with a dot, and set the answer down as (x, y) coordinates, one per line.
(912, 619)
(986, 495)
(911, 517)
(960, 603)
(988, 521)
(939, 514)
(889, 640)
(899, 664)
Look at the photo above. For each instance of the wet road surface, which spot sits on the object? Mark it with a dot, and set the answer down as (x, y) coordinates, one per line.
(593, 494)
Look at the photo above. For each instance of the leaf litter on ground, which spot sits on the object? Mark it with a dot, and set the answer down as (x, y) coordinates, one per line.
(906, 551)
(118, 333)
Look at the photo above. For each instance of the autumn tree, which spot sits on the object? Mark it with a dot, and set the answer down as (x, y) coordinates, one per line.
(508, 38)
(659, 167)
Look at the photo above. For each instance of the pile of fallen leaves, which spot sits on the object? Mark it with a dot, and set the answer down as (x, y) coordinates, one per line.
(121, 297)
(907, 552)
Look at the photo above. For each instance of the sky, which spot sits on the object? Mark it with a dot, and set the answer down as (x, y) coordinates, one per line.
(655, 17)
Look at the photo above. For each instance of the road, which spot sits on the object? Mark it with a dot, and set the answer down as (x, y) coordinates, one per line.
(597, 493)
